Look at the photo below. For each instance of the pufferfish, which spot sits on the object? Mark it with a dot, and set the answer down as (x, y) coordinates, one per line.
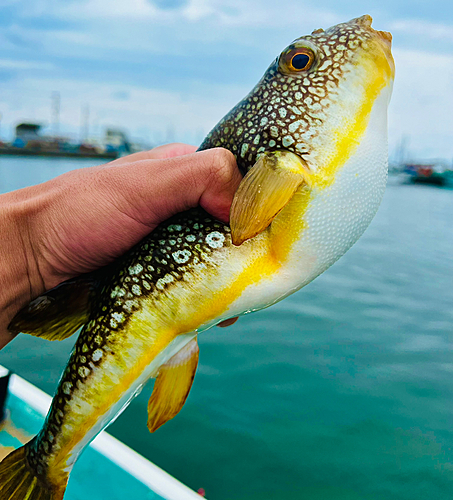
(311, 139)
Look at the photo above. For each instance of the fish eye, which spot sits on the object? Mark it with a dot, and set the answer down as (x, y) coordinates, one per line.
(300, 62)
(300, 59)
(296, 60)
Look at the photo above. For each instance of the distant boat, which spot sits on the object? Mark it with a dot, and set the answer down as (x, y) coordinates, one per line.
(107, 469)
(424, 173)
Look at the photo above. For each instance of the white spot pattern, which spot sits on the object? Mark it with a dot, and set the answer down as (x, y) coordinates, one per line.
(181, 256)
(137, 269)
(97, 355)
(215, 239)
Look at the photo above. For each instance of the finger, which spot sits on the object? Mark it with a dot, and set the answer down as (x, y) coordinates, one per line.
(172, 150)
(219, 187)
(151, 192)
(160, 152)
(228, 322)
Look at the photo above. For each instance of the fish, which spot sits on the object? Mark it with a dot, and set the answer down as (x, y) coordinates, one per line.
(311, 141)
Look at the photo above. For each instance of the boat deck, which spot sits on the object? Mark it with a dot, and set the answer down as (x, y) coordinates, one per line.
(107, 468)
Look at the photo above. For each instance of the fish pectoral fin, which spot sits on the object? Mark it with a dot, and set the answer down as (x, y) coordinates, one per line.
(264, 191)
(58, 313)
(172, 386)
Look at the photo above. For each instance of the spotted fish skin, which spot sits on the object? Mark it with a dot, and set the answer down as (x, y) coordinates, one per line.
(187, 276)
(286, 111)
(175, 253)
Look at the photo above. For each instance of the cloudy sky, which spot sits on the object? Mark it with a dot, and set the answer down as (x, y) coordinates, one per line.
(170, 69)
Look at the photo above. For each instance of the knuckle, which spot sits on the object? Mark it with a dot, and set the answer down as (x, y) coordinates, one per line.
(222, 166)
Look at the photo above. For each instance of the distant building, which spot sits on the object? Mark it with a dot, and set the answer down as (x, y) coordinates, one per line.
(28, 131)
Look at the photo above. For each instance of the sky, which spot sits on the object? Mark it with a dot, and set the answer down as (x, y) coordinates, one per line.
(168, 70)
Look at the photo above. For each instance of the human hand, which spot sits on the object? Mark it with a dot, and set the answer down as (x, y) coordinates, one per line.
(87, 218)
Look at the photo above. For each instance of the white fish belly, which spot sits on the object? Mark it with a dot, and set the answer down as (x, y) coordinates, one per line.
(335, 218)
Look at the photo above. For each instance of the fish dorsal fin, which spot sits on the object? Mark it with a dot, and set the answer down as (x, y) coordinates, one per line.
(172, 386)
(58, 313)
(264, 191)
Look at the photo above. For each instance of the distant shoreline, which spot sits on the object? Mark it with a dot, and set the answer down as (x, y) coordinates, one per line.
(11, 151)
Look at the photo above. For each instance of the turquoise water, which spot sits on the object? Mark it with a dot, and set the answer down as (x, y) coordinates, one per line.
(343, 391)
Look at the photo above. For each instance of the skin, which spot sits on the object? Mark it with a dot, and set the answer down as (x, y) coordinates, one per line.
(49, 236)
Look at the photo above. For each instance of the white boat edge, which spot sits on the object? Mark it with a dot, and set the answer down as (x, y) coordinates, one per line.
(117, 452)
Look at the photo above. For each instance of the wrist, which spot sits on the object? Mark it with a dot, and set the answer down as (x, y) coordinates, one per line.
(19, 275)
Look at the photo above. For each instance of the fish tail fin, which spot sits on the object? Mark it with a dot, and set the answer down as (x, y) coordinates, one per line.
(18, 481)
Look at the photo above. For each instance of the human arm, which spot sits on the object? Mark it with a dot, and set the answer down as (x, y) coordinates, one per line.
(87, 218)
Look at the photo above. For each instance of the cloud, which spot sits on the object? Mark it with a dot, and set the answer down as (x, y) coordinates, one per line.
(186, 62)
(121, 95)
(422, 103)
(103, 11)
(28, 65)
(417, 27)
(169, 4)
(220, 12)
(154, 110)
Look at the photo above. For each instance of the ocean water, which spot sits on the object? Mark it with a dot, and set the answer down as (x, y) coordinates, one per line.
(343, 391)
